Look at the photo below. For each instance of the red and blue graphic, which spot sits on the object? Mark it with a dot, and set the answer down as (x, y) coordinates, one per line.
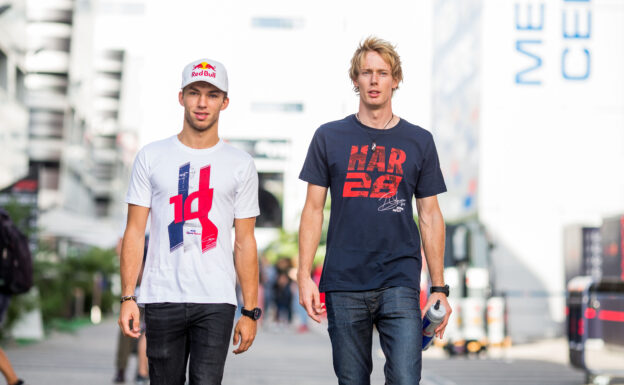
(358, 184)
(182, 206)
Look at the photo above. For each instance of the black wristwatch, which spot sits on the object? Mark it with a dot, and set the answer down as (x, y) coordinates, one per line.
(254, 314)
(440, 289)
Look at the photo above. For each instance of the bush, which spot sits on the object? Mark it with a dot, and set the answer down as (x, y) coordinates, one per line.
(68, 285)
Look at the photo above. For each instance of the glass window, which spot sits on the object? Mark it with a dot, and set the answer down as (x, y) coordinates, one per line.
(265, 107)
(276, 22)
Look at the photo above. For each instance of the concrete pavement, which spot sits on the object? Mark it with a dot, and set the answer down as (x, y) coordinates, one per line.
(284, 357)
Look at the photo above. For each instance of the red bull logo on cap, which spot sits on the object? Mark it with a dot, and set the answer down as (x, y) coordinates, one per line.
(204, 69)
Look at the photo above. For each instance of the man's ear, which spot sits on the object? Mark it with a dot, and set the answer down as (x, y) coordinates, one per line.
(226, 102)
(181, 97)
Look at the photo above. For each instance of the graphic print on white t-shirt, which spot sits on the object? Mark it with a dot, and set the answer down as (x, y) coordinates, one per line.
(190, 228)
(178, 183)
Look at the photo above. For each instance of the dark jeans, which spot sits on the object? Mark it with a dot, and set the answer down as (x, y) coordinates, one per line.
(176, 330)
(396, 313)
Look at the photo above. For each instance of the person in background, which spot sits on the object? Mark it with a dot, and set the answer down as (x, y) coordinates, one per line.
(125, 344)
(299, 311)
(5, 300)
(283, 299)
(268, 274)
(5, 365)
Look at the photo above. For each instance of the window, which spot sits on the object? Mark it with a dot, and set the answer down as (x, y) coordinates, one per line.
(276, 22)
(270, 199)
(266, 107)
(4, 82)
(20, 86)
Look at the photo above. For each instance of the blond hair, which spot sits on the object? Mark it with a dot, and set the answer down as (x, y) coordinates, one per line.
(385, 49)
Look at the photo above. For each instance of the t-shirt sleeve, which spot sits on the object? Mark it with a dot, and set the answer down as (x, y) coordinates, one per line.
(430, 180)
(246, 200)
(315, 169)
(140, 188)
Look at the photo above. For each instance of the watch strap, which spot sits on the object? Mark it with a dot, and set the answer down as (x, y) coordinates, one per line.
(440, 289)
(128, 298)
(253, 314)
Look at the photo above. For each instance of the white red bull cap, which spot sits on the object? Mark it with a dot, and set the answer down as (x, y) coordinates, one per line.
(205, 70)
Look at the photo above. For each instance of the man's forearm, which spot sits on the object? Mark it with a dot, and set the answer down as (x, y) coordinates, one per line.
(432, 231)
(131, 257)
(247, 270)
(309, 238)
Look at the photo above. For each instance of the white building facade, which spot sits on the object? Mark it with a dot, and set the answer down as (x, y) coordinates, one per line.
(13, 110)
(288, 71)
(538, 116)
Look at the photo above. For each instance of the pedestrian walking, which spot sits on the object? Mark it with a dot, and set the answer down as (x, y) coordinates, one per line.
(196, 187)
(5, 364)
(126, 345)
(268, 275)
(282, 292)
(373, 162)
(15, 278)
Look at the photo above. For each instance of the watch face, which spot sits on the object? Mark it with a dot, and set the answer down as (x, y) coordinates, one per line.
(253, 314)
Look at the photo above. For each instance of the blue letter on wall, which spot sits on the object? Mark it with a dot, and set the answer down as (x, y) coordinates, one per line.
(529, 24)
(520, 76)
(565, 73)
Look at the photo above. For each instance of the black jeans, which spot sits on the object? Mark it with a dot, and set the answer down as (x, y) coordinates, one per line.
(176, 330)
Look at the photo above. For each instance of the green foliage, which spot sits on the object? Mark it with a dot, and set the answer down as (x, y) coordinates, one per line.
(287, 244)
(20, 214)
(19, 305)
(60, 280)
(64, 284)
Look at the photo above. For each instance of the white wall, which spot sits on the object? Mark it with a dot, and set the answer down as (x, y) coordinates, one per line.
(552, 152)
(13, 112)
(307, 64)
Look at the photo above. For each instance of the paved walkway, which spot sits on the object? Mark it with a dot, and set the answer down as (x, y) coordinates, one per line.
(284, 357)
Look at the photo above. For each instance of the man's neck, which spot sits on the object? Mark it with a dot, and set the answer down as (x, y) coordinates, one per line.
(378, 118)
(199, 140)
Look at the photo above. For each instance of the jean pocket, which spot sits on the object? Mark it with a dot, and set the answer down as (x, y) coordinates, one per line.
(159, 315)
(401, 299)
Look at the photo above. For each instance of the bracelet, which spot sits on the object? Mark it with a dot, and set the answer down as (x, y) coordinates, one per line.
(128, 298)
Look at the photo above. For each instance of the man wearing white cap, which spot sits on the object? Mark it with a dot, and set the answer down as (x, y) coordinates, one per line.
(196, 188)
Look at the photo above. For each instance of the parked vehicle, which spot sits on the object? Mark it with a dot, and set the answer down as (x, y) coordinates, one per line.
(596, 328)
(595, 307)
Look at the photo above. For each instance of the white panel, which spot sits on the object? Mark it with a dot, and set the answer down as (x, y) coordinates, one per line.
(551, 146)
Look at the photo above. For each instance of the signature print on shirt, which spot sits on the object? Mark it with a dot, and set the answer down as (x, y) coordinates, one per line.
(182, 207)
(359, 183)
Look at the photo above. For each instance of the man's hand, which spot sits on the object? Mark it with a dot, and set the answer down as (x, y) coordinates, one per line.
(130, 312)
(245, 332)
(433, 298)
(309, 297)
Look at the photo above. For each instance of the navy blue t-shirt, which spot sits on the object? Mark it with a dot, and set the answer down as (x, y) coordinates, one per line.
(372, 241)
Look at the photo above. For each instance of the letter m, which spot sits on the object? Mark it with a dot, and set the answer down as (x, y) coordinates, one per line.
(521, 77)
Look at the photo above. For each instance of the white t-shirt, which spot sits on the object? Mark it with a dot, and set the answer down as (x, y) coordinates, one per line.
(194, 196)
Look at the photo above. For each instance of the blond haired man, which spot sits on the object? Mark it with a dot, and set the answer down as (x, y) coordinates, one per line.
(373, 162)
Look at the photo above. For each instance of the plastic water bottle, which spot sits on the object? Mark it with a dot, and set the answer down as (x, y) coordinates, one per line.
(434, 317)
